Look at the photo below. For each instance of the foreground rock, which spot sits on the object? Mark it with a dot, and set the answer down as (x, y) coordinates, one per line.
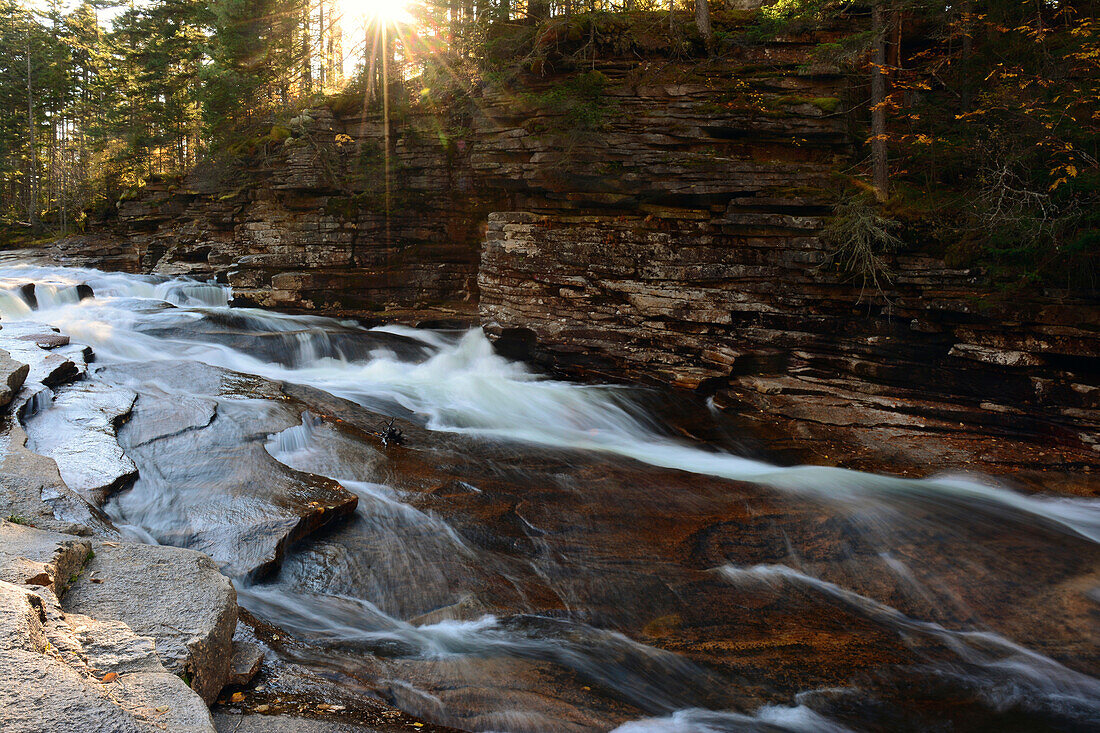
(35, 557)
(32, 490)
(12, 375)
(174, 595)
(70, 672)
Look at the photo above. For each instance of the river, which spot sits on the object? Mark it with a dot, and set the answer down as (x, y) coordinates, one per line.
(541, 555)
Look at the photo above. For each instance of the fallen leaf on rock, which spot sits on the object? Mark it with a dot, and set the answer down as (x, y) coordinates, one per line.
(262, 708)
(236, 697)
(109, 677)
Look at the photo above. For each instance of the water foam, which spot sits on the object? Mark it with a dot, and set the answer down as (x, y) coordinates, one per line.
(465, 387)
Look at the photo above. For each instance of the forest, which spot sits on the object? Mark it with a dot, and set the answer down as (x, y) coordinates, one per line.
(979, 121)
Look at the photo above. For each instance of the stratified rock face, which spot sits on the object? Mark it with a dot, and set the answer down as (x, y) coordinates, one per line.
(720, 305)
(676, 239)
(173, 595)
(310, 230)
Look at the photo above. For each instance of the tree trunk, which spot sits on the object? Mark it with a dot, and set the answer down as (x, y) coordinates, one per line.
(32, 192)
(307, 53)
(702, 22)
(967, 45)
(880, 172)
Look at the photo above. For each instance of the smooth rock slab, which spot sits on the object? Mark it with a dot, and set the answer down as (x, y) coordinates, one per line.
(207, 482)
(174, 595)
(78, 432)
(31, 488)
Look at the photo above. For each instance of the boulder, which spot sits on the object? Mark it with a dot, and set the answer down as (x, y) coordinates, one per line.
(30, 556)
(174, 595)
(68, 673)
(12, 375)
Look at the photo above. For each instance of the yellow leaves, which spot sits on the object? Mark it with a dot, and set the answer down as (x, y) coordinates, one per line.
(343, 139)
(1064, 173)
(236, 697)
(922, 139)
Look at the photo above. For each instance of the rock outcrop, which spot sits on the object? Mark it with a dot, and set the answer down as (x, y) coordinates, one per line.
(925, 377)
(171, 594)
(673, 237)
(141, 638)
(64, 671)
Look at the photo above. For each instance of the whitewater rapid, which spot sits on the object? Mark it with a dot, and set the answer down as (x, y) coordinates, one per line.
(459, 385)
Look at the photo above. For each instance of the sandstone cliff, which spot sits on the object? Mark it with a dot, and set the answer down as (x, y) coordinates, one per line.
(671, 235)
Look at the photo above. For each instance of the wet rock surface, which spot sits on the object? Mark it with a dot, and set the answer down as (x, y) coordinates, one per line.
(79, 433)
(540, 538)
(556, 557)
(243, 507)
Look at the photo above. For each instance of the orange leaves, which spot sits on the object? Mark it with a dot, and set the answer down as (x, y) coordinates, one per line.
(1063, 173)
(109, 678)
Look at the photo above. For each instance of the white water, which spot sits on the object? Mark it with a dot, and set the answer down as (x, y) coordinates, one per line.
(463, 387)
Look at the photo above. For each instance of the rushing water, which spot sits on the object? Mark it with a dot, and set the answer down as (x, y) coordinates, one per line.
(552, 556)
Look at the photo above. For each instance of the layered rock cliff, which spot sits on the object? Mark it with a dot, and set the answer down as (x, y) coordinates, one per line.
(664, 225)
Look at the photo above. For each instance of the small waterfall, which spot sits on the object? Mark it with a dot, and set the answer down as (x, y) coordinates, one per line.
(12, 305)
(38, 402)
(190, 293)
(50, 295)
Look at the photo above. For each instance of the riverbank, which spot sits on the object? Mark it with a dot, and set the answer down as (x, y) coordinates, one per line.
(682, 243)
(100, 632)
(484, 574)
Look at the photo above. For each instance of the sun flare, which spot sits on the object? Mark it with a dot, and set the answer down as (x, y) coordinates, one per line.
(386, 11)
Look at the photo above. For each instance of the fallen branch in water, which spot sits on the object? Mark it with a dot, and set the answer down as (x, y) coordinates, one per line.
(390, 434)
